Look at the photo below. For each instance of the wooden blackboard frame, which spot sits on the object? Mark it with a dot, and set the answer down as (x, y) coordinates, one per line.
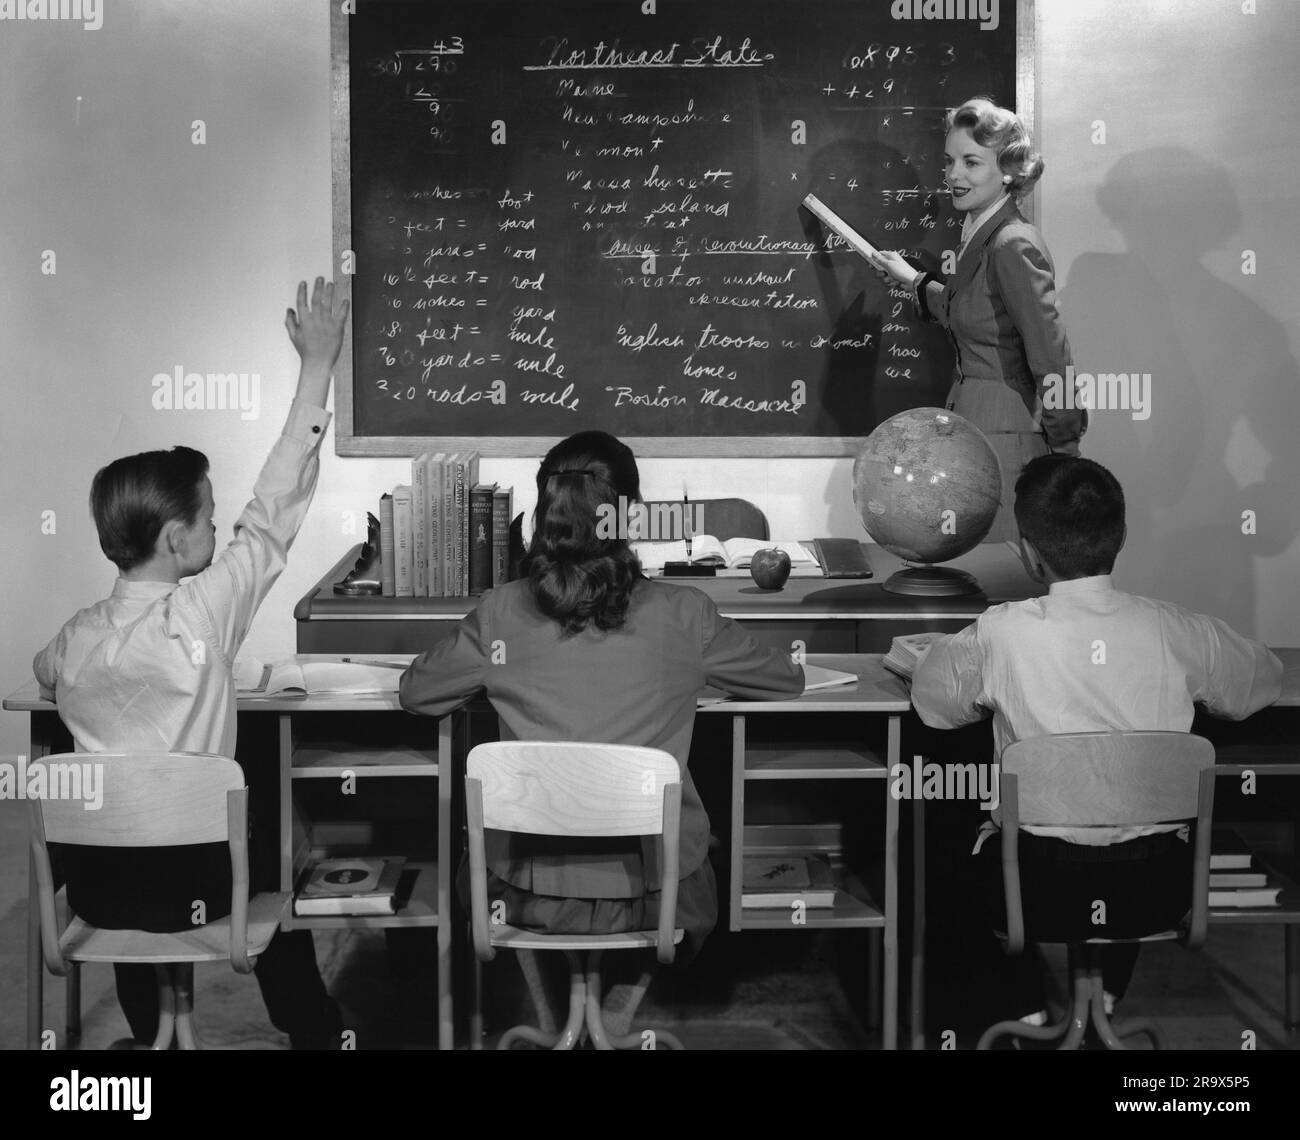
(348, 444)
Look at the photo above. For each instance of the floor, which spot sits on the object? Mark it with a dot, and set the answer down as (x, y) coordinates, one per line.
(757, 990)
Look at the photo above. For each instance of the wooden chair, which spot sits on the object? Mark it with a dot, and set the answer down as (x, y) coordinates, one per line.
(1066, 781)
(161, 799)
(581, 790)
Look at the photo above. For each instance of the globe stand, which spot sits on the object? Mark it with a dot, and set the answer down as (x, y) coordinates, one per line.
(932, 582)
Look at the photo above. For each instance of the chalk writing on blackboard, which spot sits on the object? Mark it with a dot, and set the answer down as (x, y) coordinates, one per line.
(565, 217)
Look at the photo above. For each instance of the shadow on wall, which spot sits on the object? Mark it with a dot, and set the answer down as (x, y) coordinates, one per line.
(1224, 406)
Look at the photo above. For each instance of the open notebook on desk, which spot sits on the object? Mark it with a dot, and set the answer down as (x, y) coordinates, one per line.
(733, 554)
(295, 677)
(814, 677)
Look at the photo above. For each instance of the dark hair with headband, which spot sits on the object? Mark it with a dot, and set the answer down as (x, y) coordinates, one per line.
(578, 574)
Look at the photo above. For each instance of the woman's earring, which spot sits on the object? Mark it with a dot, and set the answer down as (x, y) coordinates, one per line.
(1006, 178)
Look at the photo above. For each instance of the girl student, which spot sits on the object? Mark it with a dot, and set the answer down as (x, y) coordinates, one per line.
(589, 649)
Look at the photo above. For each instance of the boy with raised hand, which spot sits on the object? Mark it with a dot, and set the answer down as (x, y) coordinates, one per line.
(1088, 657)
(149, 669)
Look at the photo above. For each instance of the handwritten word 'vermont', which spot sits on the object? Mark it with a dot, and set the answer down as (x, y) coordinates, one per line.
(702, 53)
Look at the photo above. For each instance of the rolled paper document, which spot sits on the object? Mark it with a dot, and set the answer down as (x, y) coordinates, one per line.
(832, 221)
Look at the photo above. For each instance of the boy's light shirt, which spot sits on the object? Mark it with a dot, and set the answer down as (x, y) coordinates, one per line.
(150, 666)
(1087, 658)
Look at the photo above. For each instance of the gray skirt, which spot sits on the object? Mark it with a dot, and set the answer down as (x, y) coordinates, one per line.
(1000, 413)
(697, 910)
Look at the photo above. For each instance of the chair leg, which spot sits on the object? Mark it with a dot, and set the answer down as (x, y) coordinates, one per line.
(166, 1008)
(183, 986)
(875, 976)
(72, 996)
(476, 1006)
(1291, 963)
(637, 1039)
(573, 1028)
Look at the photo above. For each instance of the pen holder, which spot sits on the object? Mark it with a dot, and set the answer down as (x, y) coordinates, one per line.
(689, 570)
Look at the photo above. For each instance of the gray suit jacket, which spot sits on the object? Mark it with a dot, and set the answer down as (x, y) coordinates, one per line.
(1000, 308)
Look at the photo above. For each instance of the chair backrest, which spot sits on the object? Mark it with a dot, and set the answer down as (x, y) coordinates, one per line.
(155, 799)
(143, 799)
(559, 788)
(722, 518)
(577, 789)
(1108, 779)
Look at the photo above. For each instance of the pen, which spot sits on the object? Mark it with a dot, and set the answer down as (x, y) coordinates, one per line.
(381, 664)
(686, 521)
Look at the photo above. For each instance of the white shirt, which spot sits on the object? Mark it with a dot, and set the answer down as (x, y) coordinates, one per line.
(970, 225)
(1087, 658)
(150, 666)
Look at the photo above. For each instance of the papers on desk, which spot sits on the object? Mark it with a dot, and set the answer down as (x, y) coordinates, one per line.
(295, 677)
(819, 677)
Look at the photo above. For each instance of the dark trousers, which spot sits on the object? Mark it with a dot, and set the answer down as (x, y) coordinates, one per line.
(291, 986)
(156, 889)
(1071, 892)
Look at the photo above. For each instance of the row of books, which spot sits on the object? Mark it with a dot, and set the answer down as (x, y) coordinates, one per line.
(444, 534)
(353, 885)
(1236, 878)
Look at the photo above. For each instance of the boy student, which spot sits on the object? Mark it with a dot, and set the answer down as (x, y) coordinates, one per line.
(149, 669)
(1087, 657)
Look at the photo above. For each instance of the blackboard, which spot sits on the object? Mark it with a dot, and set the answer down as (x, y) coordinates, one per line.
(581, 213)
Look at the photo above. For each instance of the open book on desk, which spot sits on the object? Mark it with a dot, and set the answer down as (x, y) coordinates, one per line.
(733, 554)
(814, 677)
(295, 677)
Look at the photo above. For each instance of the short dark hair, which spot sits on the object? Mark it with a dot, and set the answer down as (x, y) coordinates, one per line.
(1072, 510)
(133, 498)
(577, 576)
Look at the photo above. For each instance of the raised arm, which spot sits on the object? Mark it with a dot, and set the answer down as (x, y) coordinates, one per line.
(228, 593)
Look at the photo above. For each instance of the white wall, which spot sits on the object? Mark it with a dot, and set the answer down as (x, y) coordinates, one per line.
(172, 254)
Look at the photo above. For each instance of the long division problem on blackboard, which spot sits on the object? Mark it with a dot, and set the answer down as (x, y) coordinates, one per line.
(580, 214)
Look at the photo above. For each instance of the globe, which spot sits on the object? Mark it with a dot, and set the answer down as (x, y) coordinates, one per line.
(927, 486)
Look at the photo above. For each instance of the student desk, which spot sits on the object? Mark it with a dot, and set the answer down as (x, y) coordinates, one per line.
(321, 739)
(829, 615)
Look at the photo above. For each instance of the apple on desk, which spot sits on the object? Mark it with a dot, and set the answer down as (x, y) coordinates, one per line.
(770, 568)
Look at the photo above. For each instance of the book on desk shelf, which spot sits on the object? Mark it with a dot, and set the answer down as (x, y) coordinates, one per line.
(480, 537)
(502, 512)
(402, 543)
(1229, 852)
(354, 885)
(733, 554)
(387, 550)
(294, 677)
(906, 650)
(782, 880)
(1236, 879)
(449, 534)
(1246, 896)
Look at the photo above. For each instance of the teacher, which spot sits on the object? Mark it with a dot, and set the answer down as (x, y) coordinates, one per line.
(999, 307)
